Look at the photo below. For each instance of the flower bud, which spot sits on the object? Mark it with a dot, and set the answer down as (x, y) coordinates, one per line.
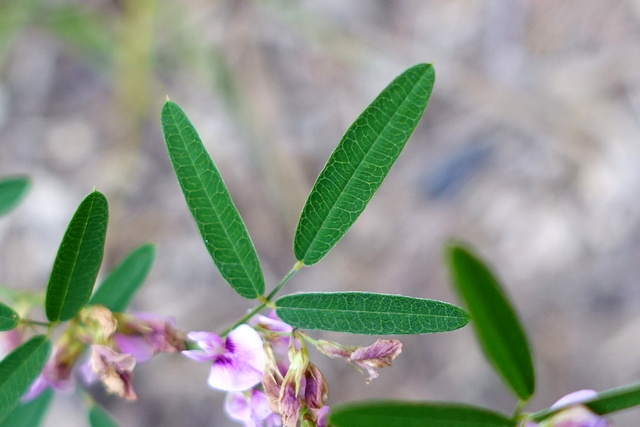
(378, 355)
(115, 370)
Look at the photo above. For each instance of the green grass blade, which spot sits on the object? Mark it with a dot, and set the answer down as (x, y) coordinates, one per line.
(495, 322)
(605, 402)
(409, 414)
(19, 369)
(8, 318)
(12, 190)
(360, 163)
(78, 259)
(119, 287)
(218, 220)
(30, 414)
(98, 417)
(368, 313)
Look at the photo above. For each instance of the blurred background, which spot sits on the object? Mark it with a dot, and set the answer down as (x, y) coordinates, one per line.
(529, 150)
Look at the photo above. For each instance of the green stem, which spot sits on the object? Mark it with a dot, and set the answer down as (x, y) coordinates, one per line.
(264, 302)
(243, 319)
(36, 322)
(516, 414)
(297, 266)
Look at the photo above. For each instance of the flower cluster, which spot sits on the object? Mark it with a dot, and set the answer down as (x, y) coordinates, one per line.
(265, 367)
(116, 342)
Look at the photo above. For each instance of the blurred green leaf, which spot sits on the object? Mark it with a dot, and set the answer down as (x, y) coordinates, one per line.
(360, 163)
(605, 402)
(367, 313)
(12, 190)
(78, 26)
(78, 260)
(31, 413)
(117, 290)
(19, 369)
(8, 317)
(495, 322)
(409, 414)
(220, 224)
(98, 417)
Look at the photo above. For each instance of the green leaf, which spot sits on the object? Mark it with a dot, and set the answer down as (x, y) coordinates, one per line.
(8, 318)
(370, 314)
(605, 402)
(98, 417)
(220, 224)
(409, 414)
(29, 414)
(117, 290)
(495, 322)
(78, 260)
(12, 190)
(19, 369)
(360, 163)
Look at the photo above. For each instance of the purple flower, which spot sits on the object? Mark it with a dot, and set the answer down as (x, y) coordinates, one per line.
(144, 335)
(572, 413)
(323, 416)
(574, 398)
(251, 408)
(56, 374)
(57, 371)
(238, 362)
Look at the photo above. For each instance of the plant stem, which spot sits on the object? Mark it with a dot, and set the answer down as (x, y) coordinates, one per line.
(264, 302)
(297, 266)
(36, 322)
(243, 319)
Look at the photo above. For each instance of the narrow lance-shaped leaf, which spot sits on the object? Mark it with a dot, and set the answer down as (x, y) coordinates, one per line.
(360, 163)
(8, 317)
(218, 220)
(98, 417)
(605, 402)
(19, 369)
(409, 414)
(12, 190)
(495, 322)
(368, 313)
(78, 259)
(119, 287)
(31, 413)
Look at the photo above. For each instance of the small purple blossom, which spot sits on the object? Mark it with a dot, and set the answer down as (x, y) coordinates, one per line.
(251, 408)
(572, 413)
(144, 335)
(56, 375)
(574, 398)
(238, 361)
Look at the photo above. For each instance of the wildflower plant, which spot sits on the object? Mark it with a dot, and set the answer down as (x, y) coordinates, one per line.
(262, 361)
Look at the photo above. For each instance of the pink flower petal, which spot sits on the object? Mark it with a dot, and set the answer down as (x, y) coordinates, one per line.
(237, 406)
(246, 344)
(198, 355)
(574, 398)
(231, 373)
(136, 346)
(208, 341)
